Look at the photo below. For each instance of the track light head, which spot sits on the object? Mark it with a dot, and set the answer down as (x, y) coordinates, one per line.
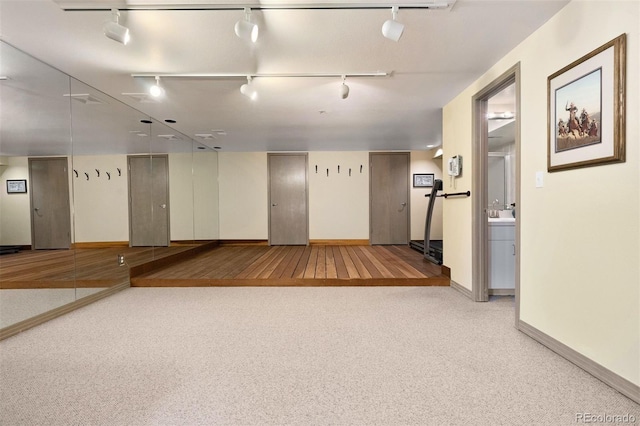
(344, 89)
(156, 90)
(393, 29)
(245, 29)
(248, 90)
(115, 31)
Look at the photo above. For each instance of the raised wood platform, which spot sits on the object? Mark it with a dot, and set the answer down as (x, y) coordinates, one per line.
(316, 265)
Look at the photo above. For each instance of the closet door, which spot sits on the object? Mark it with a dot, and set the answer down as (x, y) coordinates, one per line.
(288, 207)
(389, 198)
(50, 210)
(149, 201)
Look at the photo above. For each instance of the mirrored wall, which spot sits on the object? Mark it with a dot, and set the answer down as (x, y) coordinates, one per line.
(90, 188)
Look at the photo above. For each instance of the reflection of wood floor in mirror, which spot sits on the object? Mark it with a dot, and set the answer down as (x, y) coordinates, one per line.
(36, 281)
(79, 268)
(315, 265)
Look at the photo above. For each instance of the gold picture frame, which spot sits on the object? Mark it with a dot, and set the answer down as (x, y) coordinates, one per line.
(590, 94)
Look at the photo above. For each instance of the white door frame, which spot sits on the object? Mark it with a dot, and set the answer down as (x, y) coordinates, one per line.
(480, 150)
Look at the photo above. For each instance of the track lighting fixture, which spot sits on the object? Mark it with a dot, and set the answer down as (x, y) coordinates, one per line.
(245, 29)
(156, 90)
(393, 29)
(344, 89)
(248, 90)
(114, 30)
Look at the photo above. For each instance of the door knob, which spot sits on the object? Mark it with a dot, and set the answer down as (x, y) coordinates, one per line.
(164, 206)
(403, 204)
(274, 204)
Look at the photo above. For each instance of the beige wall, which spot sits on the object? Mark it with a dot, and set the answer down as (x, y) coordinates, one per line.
(15, 219)
(100, 204)
(193, 194)
(181, 196)
(580, 233)
(243, 195)
(338, 203)
(205, 194)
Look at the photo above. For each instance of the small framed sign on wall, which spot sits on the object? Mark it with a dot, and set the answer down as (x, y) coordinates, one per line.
(17, 186)
(423, 180)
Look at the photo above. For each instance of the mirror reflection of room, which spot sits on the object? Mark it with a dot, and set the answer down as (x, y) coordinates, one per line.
(502, 153)
(68, 237)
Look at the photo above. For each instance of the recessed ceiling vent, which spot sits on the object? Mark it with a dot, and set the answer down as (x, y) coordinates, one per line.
(142, 98)
(206, 136)
(169, 137)
(85, 98)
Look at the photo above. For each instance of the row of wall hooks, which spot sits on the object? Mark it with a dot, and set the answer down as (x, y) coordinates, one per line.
(338, 170)
(98, 173)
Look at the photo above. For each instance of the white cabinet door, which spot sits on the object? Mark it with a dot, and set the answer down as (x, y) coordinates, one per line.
(502, 264)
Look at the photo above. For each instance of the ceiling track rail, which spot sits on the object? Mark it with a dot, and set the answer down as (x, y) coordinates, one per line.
(84, 6)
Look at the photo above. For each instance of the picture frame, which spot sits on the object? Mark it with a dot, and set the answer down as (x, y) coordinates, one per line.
(17, 186)
(590, 95)
(423, 180)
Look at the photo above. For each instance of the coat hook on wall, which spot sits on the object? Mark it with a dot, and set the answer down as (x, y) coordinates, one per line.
(87, 175)
(349, 171)
(76, 172)
(316, 168)
(119, 172)
(327, 172)
(338, 168)
(108, 175)
(360, 168)
(98, 172)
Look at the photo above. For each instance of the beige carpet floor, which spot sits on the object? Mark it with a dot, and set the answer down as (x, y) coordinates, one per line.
(292, 356)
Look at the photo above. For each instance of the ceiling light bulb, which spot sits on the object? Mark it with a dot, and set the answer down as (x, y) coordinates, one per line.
(393, 29)
(245, 29)
(156, 90)
(344, 89)
(115, 31)
(248, 90)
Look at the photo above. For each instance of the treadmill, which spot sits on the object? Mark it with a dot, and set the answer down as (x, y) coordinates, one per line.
(431, 249)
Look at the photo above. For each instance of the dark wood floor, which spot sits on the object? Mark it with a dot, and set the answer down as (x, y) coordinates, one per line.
(298, 266)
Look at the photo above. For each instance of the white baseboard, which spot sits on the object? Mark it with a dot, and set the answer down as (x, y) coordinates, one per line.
(622, 385)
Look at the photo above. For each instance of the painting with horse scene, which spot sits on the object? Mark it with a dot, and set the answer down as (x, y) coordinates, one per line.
(578, 107)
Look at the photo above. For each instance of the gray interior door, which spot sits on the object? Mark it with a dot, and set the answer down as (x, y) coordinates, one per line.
(148, 201)
(50, 210)
(389, 198)
(288, 212)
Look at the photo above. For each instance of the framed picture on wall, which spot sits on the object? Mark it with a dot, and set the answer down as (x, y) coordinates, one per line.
(423, 180)
(17, 186)
(586, 110)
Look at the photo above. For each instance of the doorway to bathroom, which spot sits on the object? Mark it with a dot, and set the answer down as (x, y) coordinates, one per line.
(496, 136)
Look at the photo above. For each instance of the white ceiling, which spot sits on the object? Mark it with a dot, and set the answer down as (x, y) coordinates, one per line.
(440, 53)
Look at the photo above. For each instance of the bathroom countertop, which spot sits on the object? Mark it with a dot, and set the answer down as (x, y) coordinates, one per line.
(502, 221)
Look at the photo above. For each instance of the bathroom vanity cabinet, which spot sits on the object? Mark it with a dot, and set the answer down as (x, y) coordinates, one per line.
(502, 255)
